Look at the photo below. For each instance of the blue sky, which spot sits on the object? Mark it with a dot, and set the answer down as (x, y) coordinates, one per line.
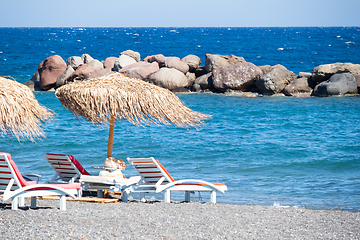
(185, 13)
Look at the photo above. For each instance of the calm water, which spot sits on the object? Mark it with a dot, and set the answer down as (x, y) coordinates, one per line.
(272, 150)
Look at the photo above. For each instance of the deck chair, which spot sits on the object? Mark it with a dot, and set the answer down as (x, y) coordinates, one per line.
(67, 168)
(14, 186)
(155, 178)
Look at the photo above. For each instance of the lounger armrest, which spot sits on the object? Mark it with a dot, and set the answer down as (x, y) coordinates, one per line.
(28, 176)
(9, 194)
(172, 184)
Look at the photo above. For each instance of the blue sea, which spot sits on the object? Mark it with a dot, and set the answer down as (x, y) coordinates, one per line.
(270, 151)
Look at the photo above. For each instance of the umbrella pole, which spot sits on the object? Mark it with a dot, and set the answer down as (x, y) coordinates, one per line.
(111, 135)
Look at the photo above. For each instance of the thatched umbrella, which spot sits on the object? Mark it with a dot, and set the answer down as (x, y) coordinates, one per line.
(115, 97)
(20, 113)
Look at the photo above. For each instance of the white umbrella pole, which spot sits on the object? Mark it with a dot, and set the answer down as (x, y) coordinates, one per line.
(111, 135)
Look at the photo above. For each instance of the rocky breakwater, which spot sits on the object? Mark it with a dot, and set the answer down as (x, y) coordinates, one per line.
(220, 74)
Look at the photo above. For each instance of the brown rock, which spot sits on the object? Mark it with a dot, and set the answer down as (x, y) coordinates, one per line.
(131, 53)
(81, 73)
(74, 62)
(159, 58)
(49, 70)
(324, 72)
(192, 61)
(140, 70)
(169, 78)
(175, 62)
(298, 86)
(214, 61)
(240, 76)
(109, 62)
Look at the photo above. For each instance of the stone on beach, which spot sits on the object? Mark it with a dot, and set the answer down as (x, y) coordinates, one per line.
(140, 70)
(74, 62)
(81, 73)
(275, 81)
(169, 78)
(123, 61)
(109, 62)
(96, 64)
(297, 87)
(49, 70)
(324, 72)
(176, 63)
(240, 76)
(159, 58)
(192, 61)
(86, 58)
(213, 61)
(338, 84)
(131, 53)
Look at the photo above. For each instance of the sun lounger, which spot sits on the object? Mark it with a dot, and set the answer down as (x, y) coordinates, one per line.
(155, 178)
(14, 186)
(67, 168)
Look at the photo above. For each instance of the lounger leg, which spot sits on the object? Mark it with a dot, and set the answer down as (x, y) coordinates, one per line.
(124, 196)
(33, 202)
(213, 196)
(21, 201)
(167, 196)
(14, 203)
(63, 202)
(99, 193)
(187, 196)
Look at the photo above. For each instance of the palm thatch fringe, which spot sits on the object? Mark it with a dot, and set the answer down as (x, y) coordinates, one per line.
(137, 101)
(20, 113)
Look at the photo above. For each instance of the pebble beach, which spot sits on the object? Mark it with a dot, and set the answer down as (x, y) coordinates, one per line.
(158, 220)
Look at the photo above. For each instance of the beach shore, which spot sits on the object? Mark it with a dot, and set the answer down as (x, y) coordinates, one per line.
(158, 220)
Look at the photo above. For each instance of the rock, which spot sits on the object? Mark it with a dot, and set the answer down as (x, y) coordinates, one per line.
(214, 61)
(159, 58)
(324, 72)
(200, 71)
(123, 61)
(35, 77)
(140, 70)
(304, 74)
(338, 84)
(96, 64)
(169, 78)
(191, 78)
(240, 76)
(86, 58)
(109, 62)
(62, 78)
(357, 77)
(265, 68)
(297, 87)
(33, 85)
(175, 62)
(81, 73)
(192, 61)
(74, 62)
(97, 73)
(49, 70)
(204, 82)
(275, 81)
(131, 53)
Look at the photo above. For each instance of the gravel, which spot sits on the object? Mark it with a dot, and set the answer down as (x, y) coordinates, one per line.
(159, 220)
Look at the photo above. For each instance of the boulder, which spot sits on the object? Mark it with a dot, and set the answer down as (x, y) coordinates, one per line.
(265, 68)
(275, 81)
(175, 62)
(131, 53)
(304, 74)
(33, 85)
(74, 62)
(97, 73)
(169, 78)
(140, 70)
(204, 82)
(159, 58)
(324, 72)
(62, 78)
(240, 76)
(86, 58)
(191, 78)
(338, 84)
(357, 77)
(109, 62)
(214, 61)
(192, 61)
(298, 87)
(96, 64)
(81, 73)
(49, 70)
(200, 71)
(35, 77)
(123, 61)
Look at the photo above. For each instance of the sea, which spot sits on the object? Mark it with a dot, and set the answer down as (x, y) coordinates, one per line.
(269, 151)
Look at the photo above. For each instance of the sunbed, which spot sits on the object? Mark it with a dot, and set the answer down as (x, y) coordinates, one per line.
(14, 186)
(155, 178)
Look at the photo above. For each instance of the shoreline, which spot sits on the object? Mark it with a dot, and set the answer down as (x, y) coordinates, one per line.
(159, 220)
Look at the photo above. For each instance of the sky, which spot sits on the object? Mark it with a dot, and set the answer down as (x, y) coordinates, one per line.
(184, 13)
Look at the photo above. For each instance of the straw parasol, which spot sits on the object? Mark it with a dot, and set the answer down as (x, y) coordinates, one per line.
(113, 97)
(20, 113)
